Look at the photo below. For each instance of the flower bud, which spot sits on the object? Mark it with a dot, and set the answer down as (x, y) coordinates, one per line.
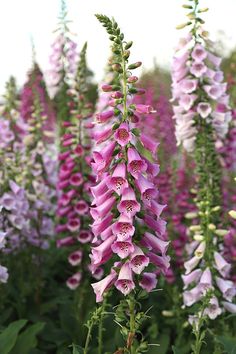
(193, 191)
(166, 313)
(183, 25)
(132, 79)
(106, 88)
(221, 232)
(195, 228)
(191, 215)
(205, 9)
(126, 54)
(117, 94)
(140, 91)
(135, 65)
(216, 208)
(232, 213)
(128, 45)
(198, 237)
(117, 67)
(211, 227)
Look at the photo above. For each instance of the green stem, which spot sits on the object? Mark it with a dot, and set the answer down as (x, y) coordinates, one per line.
(131, 335)
(100, 327)
(86, 347)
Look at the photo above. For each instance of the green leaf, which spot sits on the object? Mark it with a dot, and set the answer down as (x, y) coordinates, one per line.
(163, 340)
(9, 335)
(229, 344)
(27, 340)
(77, 349)
(176, 350)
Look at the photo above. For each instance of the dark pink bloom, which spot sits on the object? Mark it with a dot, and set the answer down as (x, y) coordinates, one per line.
(148, 281)
(76, 179)
(104, 116)
(73, 225)
(85, 236)
(125, 282)
(75, 258)
(74, 281)
(66, 241)
(128, 204)
(155, 243)
(142, 108)
(149, 144)
(138, 260)
(123, 228)
(136, 165)
(147, 189)
(118, 181)
(123, 248)
(122, 134)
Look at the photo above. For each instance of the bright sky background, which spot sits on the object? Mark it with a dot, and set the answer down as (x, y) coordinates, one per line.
(149, 23)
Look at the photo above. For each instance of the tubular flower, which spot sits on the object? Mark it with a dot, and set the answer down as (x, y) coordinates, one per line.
(64, 56)
(198, 90)
(127, 225)
(75, 179)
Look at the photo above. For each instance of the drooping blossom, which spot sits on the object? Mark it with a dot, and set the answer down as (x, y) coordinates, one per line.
(75, 179)
(202, 115)
(198, 91)
(127, 227)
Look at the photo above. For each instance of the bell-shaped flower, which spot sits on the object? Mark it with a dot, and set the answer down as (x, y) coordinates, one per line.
(155, 243)
(75, 258)
(123, 248)
(74, 281)
(222, 266)
(117, 182)
(122, 134)
(148, 281)
(204, 109)
(101, 286)
(192, 277)
(136, 165)
(138, 260)
(227, 288)
(125, 283)
(123, 228)
(128, 204)
(213, 310)
(147, 189)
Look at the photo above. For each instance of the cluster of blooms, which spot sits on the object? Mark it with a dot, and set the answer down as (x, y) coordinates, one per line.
(199, 90)
(127, 225)
(36, 85)
(14, 219)
(15, 215)
(200, 93)
(64, 55)
(170, 181)
(227, 149)
(63, 58)
(180, 209)
(39, 177)
(206, 280)
(75, 179)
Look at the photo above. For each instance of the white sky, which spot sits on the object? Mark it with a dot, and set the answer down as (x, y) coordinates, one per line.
(149, 23)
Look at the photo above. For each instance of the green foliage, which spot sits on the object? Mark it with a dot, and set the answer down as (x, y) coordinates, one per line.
(27, 340)
(9, 336)
(229, 344)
